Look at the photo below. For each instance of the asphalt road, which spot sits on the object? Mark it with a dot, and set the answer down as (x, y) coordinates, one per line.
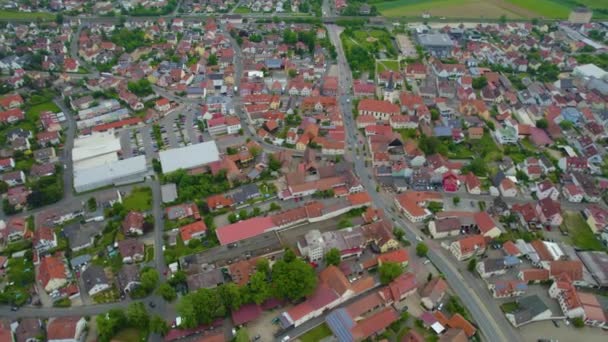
(493, 325)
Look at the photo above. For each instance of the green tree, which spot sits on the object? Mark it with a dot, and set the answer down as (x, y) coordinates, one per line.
(578, 322)
(241, 335)
(293, 279)
(3, 187)
(292, 73)
(502, 19)
(110, 323)
(202, 306)
(167, 292)
(421, 249)
(398, 233)
(158, 325)
(262, 265)
(389, 271)
(480, 82)
(149, 279)
(332, 257)
(456, 200)
(434, 114)
(231, 296)
(472, 264)
(92, 204)
(258, 289)
(212, 59)
(137, 316)
(566, 125)
(542, 123)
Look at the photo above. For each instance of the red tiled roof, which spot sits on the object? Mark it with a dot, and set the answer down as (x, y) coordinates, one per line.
(189, 230)
(573, 268)
(534, 274)
(510, 248)
(398, 256)
(50, 268)
(374, 323)
(457, 321)
(484, 222)
(246, 314)
(244, 229)
(378, 106)
(62, 328)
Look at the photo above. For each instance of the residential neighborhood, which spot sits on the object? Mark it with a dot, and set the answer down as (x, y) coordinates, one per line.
(249, 170)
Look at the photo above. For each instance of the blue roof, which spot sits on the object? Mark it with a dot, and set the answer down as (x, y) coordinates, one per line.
(340, 323)
(273, 63)
(442, 131)
(571, 114)
(511, 260)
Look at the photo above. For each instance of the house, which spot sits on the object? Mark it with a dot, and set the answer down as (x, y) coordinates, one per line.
(533, 275)
(450, 182)
(207, 279)
(486, 225)
(133, 223)
(44, 239)
(508, 188)
(572, 268)
(567, 297)
(549, 212)
(131, 250)
(71, 65)
(596, 217)
(52, 273)
(216, 202)
(569, 164)
(380, 110)
(128, 278)
(95, 280)
(66, 329)
(11, 101)
(573, 193)
(28, 330)
(162, 105)
(191, 231)
(507, 288)
(546, 189)
(16, 229)
(48, 138)
(496, 266)
(433, 293)
(472, 184)
(14, 178)
(399, 256)
(529, 309)
(348, 324)
(401, 287)
(412, 203)
(81, 236)
(468, 246)
(6, 164)
(182, 211)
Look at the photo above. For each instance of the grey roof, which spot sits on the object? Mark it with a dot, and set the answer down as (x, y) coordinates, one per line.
(92, 276)
(188, 157)
(597, 264)
(340, 323)
(79, 235)
(208, 279)
(529, 307)
(246, 192)
(128, 274)
(436, 39)
(169, 192)
(80, 260)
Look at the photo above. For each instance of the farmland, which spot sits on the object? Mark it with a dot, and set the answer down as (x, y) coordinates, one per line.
(471, 9)
(12, 15)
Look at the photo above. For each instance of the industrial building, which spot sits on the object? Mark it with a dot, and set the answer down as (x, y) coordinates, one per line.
(438, 44)
(111, 173)
(95, 149)
(189, 157)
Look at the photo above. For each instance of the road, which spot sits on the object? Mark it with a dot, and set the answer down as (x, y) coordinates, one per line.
(70, 133)
(489, 319)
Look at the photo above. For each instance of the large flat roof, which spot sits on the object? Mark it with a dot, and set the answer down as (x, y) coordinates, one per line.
(435, 39)
(188, 157)
(94, 145)
(243, 230)
(110, 172)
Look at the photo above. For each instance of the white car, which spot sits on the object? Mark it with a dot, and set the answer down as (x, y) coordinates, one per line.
(285, 339)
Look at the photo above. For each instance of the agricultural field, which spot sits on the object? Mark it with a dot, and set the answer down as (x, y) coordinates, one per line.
(512, 9)
(13, 15)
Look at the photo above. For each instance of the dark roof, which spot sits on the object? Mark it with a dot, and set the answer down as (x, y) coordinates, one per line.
(92, 276)
(529, 307)
(79, 235)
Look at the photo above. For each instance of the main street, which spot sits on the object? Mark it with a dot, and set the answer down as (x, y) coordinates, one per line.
(489, 319)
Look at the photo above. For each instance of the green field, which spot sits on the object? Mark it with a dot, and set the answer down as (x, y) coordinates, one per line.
(242, 10)
(34, 111)
(129, 335)
(316, 334)
(544, 8)
(513, 9)
(140, 199)
(10, 15)
(581, 234)
(385, 64)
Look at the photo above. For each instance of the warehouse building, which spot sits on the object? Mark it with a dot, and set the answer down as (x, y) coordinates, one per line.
(96, 149)
(189, 157)
(113, 173)
(437, 44)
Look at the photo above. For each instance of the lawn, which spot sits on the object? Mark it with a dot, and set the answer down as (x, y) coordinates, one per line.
(383, 65)
(581, 234)
(140, 199)
(509, 307)
(450, 8)
(316, 334)
(242, 10)
(129, 335)
(33, 114)
(108, 296)
(10, 15)
(544, 8)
